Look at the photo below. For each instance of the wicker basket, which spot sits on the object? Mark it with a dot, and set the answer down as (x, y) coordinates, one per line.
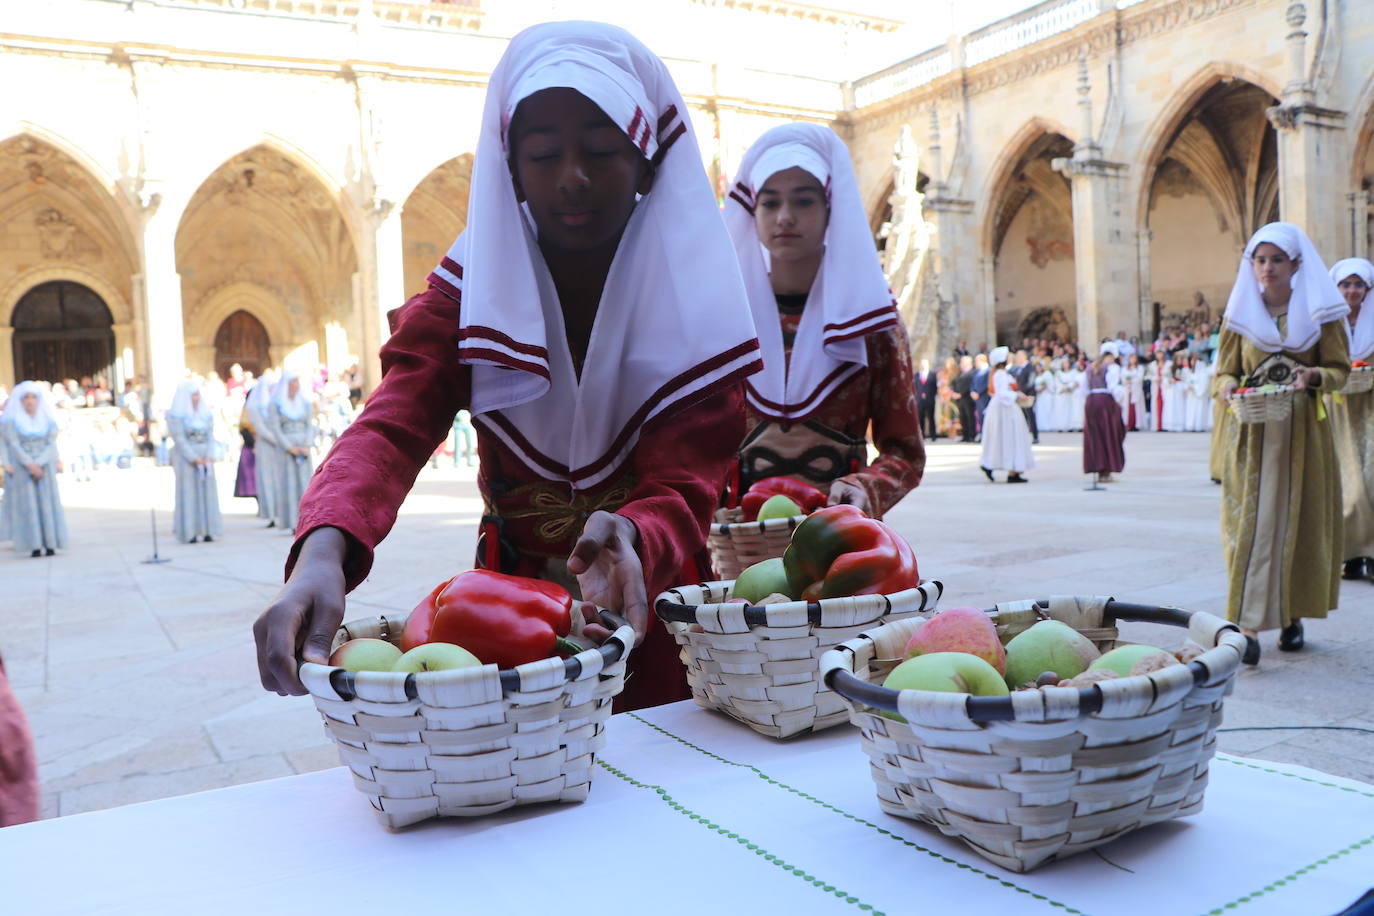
(1361, 380)
(736, 545)
(1025, 401)
(1045, 773)
(1263, 406)
(469, 741)
(760, 663)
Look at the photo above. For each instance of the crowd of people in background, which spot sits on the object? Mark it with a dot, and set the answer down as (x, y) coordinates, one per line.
(1165, 384)
(82, 429)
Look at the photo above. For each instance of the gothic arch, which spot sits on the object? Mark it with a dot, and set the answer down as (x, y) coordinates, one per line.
(1210, 180)
(1027, 229)
(1161, 131)
(434, 213)
(268, 228)
(1005, 166)
(241, 296)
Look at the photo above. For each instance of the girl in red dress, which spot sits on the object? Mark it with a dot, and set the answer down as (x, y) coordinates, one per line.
(592, 319)
(837, 362)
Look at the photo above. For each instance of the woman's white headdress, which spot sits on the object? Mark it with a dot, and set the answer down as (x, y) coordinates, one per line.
(849, 298)
(1362, 333)
(673, 325)
(1314, 302)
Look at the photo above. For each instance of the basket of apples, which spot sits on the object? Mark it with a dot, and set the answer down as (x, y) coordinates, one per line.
(485, 696)
(761, 526)
(1361, 378)
(752, 645)
(1030, 732)
(1262, 404)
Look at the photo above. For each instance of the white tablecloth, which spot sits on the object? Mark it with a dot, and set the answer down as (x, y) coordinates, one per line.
(690, 813)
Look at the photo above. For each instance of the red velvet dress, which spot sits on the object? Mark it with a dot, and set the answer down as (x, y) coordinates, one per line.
(883, 395)
(668, 487)
(18, 768)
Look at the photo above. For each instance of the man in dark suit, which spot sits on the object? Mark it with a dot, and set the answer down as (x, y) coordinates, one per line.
(1023, 371)
(963, 399)
(926, 392)
(980, 389)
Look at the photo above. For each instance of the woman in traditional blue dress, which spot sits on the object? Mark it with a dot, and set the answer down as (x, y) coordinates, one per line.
(291, 421)
(191, 424)
(33, 505)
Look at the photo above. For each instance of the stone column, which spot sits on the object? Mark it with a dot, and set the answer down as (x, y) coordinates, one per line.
(955, 263)
(380, 285)
(124, 354)
(7, 367)
(1311, 163)
(158, 286)
(1357, 210)
(1102, 252)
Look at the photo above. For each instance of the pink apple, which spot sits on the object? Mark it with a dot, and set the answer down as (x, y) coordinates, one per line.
(960, 629)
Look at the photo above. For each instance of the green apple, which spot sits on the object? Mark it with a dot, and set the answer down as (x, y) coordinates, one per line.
(949, 672)
(1049, 645)
(761, 580)
(365, 654)
(436, 656)
(1135, 659)
(779, 507)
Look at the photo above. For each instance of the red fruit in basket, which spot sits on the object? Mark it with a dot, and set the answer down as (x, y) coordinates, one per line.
(960, 629)
(1359, 364)
(421, 620)
(504, 620)
(803, 494)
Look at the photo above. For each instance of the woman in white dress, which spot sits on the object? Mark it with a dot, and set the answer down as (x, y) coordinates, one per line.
(1063, 395)
(1079, 374)
(1133, 405)
(1172, 413)
(1045, 386)
(1006, 437)
(1199, 399)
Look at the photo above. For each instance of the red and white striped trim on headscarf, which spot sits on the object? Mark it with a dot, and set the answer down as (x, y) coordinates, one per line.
(673, 325)
(849, 299)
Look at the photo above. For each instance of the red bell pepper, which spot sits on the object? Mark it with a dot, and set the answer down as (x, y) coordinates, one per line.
(503, 620)
(801, 493)
(839, 552)
(421, 620)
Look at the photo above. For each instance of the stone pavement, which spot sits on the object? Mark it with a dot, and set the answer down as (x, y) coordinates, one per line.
(140, 680)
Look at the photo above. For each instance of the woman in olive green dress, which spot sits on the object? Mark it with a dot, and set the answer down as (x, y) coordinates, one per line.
(1281, 494)
(1352, 423)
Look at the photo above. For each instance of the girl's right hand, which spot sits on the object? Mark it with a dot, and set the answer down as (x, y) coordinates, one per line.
(1228, 389)
(301, 623)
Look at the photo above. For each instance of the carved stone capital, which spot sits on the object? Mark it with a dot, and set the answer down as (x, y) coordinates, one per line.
(1089, 166)
(1297, 115)
(937, 203)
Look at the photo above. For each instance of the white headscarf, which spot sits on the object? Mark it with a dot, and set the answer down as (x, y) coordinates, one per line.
(849, 299)
(1362, 334)
(40, 421)
(198, 415)
(1108, 346)
(260, 395)
(293, 408)
(672, 327)
(998, 356)
(1315, 301)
